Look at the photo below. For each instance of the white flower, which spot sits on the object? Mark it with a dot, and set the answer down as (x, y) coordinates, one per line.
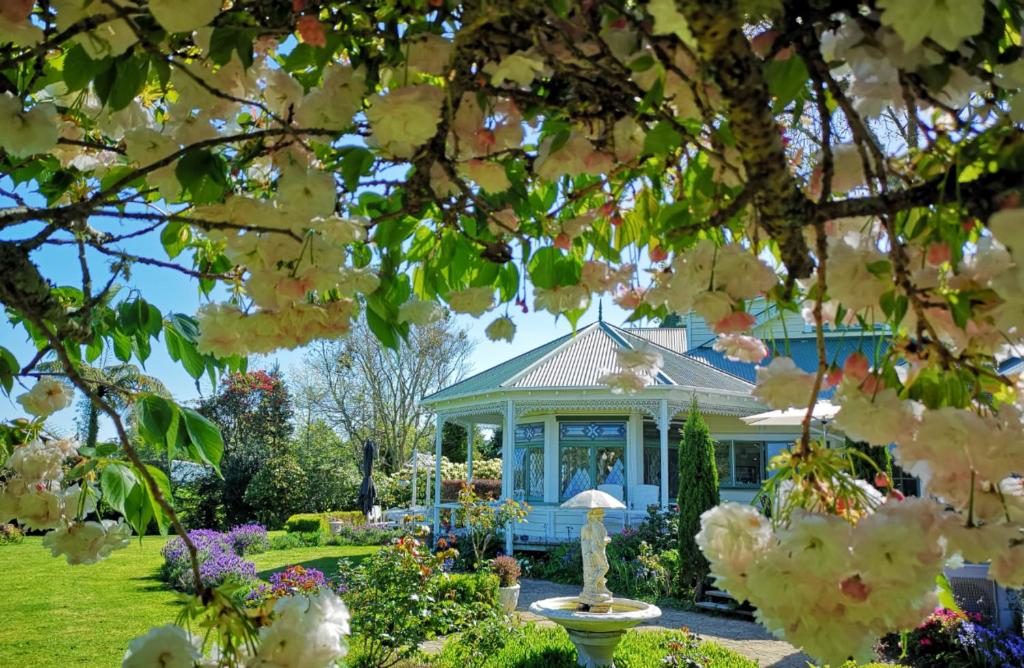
(732, 536)
(144, 146)
(420, 312)
(168, 646)
(40, 509)
(405, 118)
(783, 385)
(501, 329)
(27, 132)
(429, 54)
(308, 193)
(489, 175)
(857, 277)
(475, 301)
(111, 38)
(741, 348)
(625, 381)
(307, 632)
(184, 15)
(520, 68)
(847, 169)
(713, 305)
(742, 274)
(948, 22)
(1007, 225)
(333, 104)
(88, 542)
(668, 21)
(15, 25)
(879, 420)
(644, 359)
(37, 461)
(46, 396)
(575, 156)
(560, 299)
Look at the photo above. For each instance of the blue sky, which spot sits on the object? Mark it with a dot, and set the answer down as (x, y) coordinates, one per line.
(173, 292)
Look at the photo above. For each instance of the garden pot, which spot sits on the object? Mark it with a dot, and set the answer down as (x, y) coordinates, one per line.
(509, 597)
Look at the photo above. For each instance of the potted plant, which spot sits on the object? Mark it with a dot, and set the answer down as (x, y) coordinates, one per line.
(508, 572)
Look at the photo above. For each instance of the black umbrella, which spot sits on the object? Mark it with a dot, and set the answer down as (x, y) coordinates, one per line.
(367, 490)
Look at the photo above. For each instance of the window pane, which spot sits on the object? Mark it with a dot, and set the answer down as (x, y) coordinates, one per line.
(519, 474)
(652, 466)
(574, 471)
(673, 473)
(535, 477)
(749, 464)
(611, 467)
(722, 464)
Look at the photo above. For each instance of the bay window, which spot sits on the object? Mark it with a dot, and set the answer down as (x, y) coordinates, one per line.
(590, 453)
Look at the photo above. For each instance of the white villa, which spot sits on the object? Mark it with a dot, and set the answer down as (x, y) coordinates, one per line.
(563, 432)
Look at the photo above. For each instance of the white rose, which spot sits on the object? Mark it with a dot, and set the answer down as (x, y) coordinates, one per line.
(46, 396)
(307, 632)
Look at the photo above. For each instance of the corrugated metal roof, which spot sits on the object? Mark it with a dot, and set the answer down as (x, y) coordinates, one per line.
(492, 378)
(803, 351)
(692, 372)
(673, 338)
(587, 358)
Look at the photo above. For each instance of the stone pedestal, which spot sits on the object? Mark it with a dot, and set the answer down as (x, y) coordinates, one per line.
(595, 649)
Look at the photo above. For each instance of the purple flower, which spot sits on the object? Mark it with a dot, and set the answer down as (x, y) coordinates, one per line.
(249, 539)
(218, 559)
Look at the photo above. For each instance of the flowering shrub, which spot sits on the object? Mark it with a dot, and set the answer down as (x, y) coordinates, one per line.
(289, 582)
(507, 569)
(401, 596)
(948, 639)
(218, 560)
(483, 520)
(249, 539)
(10, 534)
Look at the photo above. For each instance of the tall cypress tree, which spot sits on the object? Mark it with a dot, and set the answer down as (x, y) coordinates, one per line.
(698, 491)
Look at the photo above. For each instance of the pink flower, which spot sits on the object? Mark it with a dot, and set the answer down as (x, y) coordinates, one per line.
(857, 366)
(735, 323)
(311, 31)
(741, 348)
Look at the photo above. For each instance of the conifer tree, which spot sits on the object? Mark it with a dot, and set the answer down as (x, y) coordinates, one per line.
(698, 492)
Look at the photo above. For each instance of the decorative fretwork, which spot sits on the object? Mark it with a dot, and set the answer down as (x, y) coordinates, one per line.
(484, 414)
(555, 405)
(592, 431)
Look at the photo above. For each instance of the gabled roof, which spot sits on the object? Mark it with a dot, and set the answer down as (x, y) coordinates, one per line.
(673, 338)
(579, 362)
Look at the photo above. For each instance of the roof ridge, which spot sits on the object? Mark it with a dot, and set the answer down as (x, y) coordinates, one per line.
(688, 356)
(571, 337)
(615, 335)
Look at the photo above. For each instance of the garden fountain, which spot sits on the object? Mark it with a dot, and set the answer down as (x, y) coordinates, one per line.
(595, 620)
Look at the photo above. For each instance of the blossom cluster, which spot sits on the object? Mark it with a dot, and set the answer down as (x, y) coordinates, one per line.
(289, 582)
(35, 497)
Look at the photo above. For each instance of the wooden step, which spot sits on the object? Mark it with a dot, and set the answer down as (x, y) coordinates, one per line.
(719, 594)
(728, 608)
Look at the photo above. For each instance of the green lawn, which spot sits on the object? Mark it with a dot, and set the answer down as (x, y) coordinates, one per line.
(52, 614)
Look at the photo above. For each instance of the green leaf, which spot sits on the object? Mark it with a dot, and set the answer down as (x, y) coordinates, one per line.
(382, 329)
(80, 69)
(122, 345)
(138, 509)
(130, 75)
(662, 139)
(163, 522)
(174, 237)
(117, 482)
(357, 162)
(205, 436)
(203, 176)
(228, 39)
(158, 421)
(8, 368)
(945, 594)
(179, 336)
(787, 80)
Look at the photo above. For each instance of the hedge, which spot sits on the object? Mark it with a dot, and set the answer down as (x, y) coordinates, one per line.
(305, 522)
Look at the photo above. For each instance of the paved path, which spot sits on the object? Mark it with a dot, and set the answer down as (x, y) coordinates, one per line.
(747, 638)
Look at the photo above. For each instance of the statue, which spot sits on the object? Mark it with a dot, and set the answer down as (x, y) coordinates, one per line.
(595, 596)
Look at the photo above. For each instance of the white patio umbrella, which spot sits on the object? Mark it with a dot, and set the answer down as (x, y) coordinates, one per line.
(824, 412)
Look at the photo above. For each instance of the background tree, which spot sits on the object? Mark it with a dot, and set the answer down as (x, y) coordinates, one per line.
(331, 473)
(698, 492)
(366, 390)
(254, 413)
(453, 443)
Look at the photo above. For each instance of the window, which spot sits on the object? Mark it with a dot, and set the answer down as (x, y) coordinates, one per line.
(528, 463)
(590, 453)
(740, 463)
(652, 455)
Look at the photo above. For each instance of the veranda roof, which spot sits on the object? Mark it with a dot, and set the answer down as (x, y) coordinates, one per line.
(580, 361)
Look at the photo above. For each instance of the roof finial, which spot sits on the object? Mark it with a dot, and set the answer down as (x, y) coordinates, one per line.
(600, 310)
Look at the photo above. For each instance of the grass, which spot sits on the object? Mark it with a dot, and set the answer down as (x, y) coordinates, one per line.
(58, 615)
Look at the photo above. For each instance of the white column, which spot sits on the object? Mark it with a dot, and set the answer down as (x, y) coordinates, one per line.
(469, 453)
(663, 432)
(634, 455)
(508, 439)
(551, 481)
(437, 474)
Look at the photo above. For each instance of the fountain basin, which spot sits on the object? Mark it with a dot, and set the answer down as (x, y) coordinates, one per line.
(595, 634)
